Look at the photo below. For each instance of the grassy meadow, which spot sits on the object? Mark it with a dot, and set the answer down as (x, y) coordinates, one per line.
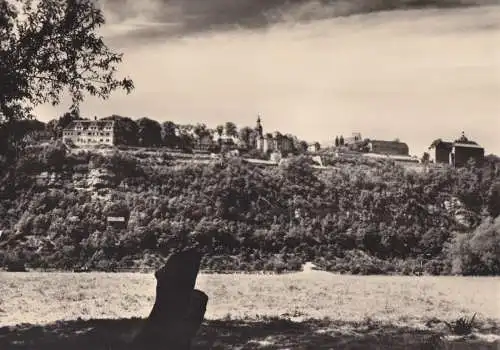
(250, 311)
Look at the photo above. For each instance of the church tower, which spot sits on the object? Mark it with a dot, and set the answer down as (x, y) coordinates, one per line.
(259, 135)
(259, 128)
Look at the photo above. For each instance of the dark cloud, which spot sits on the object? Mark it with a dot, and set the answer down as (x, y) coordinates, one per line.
(185, 17)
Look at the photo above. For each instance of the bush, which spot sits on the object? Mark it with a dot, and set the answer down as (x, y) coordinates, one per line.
(14, 262)
(54, 156)
(478, 252)
(367, 217)
(437, 267)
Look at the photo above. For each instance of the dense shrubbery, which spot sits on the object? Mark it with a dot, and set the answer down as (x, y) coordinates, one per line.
(365, 217)
(477, 252)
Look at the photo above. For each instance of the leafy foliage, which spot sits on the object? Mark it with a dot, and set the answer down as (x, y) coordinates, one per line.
(49, 47)
(462, 326)
(477, 252)
(149, 132)
(364, 216)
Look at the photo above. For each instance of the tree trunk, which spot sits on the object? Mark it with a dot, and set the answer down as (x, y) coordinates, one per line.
(179, 309)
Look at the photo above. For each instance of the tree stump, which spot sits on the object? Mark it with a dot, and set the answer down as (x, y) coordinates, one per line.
(179, 309)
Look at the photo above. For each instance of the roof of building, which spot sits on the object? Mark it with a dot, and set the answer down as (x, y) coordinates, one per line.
(383, 142)
(445, 143)
(463, 139)
(86, 124)
(466, 145)
(463, 142)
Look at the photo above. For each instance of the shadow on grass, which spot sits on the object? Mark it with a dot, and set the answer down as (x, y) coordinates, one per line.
(273, 333)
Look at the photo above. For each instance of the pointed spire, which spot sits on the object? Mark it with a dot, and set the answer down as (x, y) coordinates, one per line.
(259, 125)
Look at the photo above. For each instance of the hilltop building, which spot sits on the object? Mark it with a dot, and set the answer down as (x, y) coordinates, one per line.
(229, 142)
(271, 142)
(357, 143)
(442, 151)
(394, 148)
(356, 137)
(90, 132)
(313, 147)
(457, 153)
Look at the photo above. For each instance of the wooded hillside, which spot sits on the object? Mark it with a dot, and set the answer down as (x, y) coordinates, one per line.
(362, 216)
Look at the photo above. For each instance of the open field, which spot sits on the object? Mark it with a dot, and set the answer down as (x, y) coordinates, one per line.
(48, 297)
(251, 308)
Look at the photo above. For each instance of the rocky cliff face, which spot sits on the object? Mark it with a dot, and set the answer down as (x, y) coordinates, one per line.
(93, 179)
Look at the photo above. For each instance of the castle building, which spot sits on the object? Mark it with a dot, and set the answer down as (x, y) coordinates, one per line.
(356, 137)
(271, 142)
(394, 148)
(90, 132)
(457, 153)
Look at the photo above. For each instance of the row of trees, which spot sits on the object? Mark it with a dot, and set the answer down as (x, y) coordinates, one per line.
(143, 132)
(365, 217)
(146, 132)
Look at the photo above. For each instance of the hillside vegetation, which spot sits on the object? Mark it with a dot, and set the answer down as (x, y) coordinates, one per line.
(361, 216)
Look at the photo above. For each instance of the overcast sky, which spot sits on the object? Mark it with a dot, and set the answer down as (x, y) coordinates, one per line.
(414, 75)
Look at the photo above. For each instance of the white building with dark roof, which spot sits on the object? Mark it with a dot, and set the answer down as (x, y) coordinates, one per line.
(90, 132)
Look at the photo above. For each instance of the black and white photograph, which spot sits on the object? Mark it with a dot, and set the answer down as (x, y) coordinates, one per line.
(249, 174)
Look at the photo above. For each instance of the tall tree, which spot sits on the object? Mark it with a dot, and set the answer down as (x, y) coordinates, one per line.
(56, 126)
(186, 140)
(11, 136)
(200, 130)
(149, 133)
(231, 129)
(302, 146)
(245, 135)
(168, 134)
(126, 130)
(426, 158)
(51, 46)
(219, 129)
